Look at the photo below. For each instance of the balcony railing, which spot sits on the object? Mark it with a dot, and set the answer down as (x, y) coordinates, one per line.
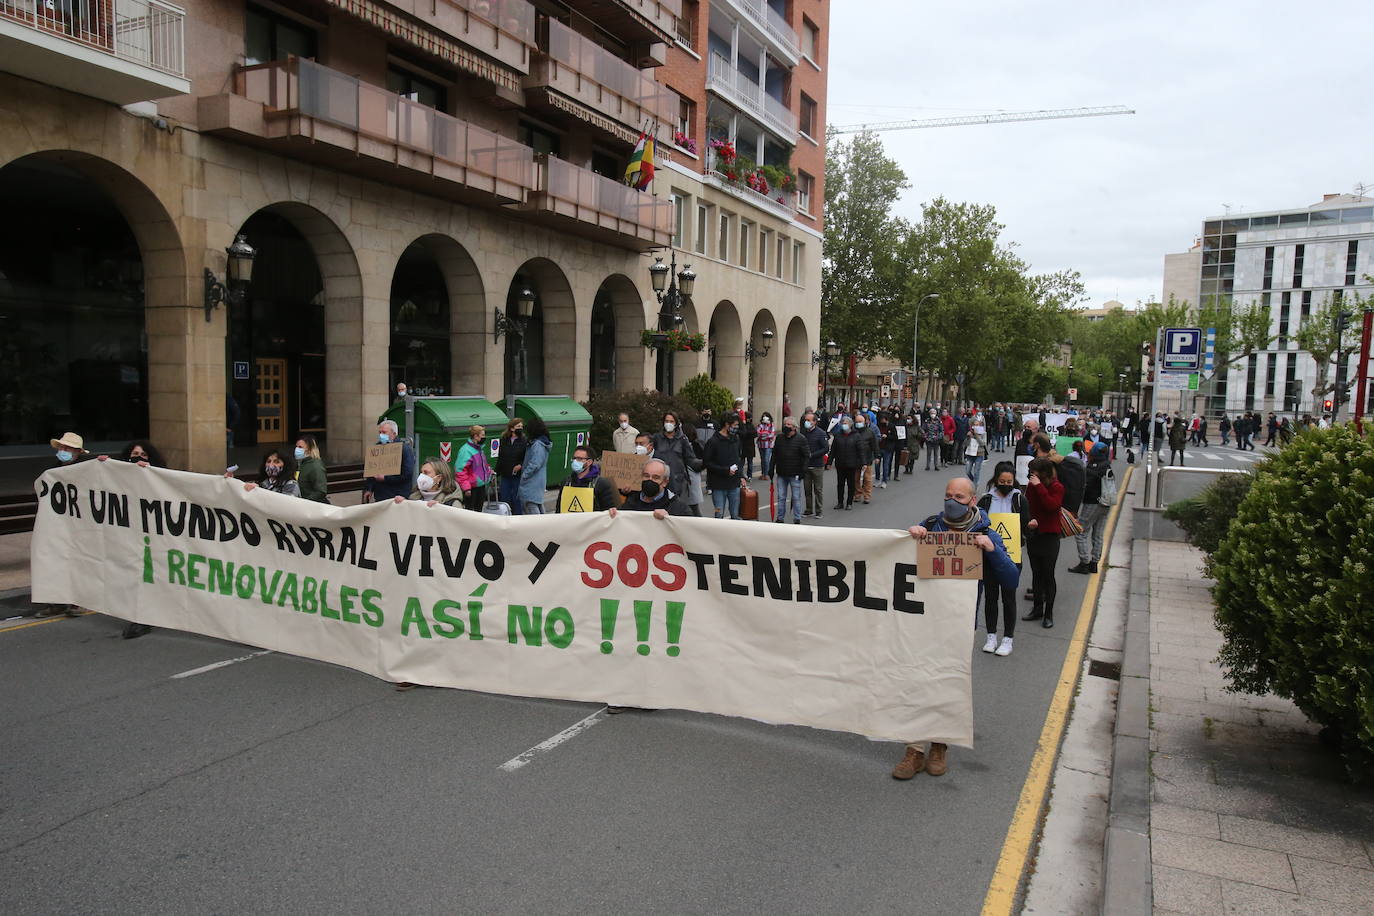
(514, 17)
(723, 78)
(586, 72)
(777, 201)
(591, 198)
(488, 161)
(771, 23)
(146, 32)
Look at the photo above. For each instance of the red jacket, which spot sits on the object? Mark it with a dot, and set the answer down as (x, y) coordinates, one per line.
(947, 422)
(1045, 500)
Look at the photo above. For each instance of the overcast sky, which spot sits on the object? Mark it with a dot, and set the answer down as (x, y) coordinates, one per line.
(1258, 105)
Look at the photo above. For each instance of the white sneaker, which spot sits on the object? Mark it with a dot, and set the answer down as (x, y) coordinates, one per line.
(882, 485)
(991, 644)
(1005, 648)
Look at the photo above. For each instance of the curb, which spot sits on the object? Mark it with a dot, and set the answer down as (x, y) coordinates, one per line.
(1127, 884)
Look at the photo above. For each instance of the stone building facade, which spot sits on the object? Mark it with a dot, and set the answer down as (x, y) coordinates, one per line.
(404, 172)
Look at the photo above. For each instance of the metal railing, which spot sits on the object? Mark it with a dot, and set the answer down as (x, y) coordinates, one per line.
(147, 32)
(603, 196)
(743, 91)
(771, 22)
(514, 17)
(1191, 480)
(309, 89)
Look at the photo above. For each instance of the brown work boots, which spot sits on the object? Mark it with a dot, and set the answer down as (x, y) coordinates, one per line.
(916, 760)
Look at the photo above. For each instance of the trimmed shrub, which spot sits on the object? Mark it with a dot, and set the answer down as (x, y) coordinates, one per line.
(1204, 518)
(1295, 587)
(646, 410)
(703, 391)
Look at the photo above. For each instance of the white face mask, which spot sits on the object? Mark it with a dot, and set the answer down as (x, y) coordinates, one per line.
(425, 483)
(669, 427)
(641, 450)
(624, 424)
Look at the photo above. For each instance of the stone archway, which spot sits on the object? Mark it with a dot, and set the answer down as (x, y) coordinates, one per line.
(543, 358)
(765, 369)
(725, 348)
(798, 373)
(618, 360)
(688, 363)
(463, 314)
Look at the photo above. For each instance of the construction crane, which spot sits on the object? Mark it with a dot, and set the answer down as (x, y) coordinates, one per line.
(1045, 114)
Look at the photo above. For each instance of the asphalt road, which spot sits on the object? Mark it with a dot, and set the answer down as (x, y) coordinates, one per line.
(280, 785)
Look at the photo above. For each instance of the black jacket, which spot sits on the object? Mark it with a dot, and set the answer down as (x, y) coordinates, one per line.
(818, 441)
(1092, 489)
(720, 453)
(868, 444)
(512, 453)
(678, 455)
(791, 455)
(635, 502)
(845, 450)
(748, 434)
(603, 491)
(1073, 474)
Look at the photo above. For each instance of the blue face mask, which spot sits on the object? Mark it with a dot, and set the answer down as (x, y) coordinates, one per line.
(383, 438)
(64, 456)
(300, 453)
(809, 424)
(578, 465)
(846, 427)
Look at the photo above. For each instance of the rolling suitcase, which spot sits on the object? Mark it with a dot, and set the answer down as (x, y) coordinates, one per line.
(494, 506)
(748, 503)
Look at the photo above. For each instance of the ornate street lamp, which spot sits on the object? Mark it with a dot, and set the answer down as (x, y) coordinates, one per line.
(752, 352)
(238, 271)
(672, 289)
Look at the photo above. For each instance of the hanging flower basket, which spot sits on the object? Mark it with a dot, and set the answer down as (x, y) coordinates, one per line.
(672, 340)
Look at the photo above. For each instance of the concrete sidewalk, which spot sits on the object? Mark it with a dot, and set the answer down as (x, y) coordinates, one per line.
(1249, 812)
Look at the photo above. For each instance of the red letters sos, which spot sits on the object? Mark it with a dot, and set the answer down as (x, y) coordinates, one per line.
(633, 566)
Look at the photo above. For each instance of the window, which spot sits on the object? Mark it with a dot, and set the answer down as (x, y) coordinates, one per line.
(1298, 254)
(679, 217)
(686, 117)
(806, 186)
(1290, 384)
(723, 251)
(797, 262)
(765, 246)
(703, 227)
(1352, 251)
(808, 115)
(416, 88)
(539, 139)
(608, 165)
(1271, 370)
(746, 231)
(269, 36)
(1306, 307)
(811, 39)
(782, 255)
(1269, 267)
(1250, 370)
(1285, 312)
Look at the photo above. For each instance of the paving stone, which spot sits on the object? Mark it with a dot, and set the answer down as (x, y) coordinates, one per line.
(1249, 900)
(1307, 843)
(1182, 891)
(1223, 860)
(1194, 821)
(1336, 883)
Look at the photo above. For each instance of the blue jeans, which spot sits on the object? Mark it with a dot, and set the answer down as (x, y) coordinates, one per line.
(886, 472)
(766, 461)
(973, 466)
(532, 509)
(726, 501)
(748, 467)
(789, 490)
(509, 493)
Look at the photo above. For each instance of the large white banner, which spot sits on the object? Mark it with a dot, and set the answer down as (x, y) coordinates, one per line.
(808, 626)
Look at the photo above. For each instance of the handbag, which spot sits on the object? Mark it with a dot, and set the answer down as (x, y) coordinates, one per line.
(1108, 497)
(1069, 525)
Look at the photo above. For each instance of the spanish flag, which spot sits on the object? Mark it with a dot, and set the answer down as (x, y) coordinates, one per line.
(640, 171)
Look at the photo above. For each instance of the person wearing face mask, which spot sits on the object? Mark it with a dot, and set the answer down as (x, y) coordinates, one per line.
(671, 446)
(723, 469)
(383, 487)
(142, 453)
(533, 469)
(869, 450)
(767, 439)
(509, 458)
(791, 456)
(586, 475)
(975, 450)
(747, 434)
(961, 513)
(933, 432)
(644, 446)
(1003, 496)
(436, 484)
(1046, 496)
(401, 391)
(818, 446)
(277, 474)
(474, 472)
(624, 435)
(70, 449)
(313, 481)
(847, 457)
(653, 494)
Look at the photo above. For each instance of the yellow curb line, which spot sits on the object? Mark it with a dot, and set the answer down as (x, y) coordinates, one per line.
(1025, 820)
(39, 623)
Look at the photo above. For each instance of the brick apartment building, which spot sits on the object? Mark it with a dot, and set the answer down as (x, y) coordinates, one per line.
(432, 191)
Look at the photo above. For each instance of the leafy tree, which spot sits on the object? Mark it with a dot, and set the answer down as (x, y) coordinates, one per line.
(861, 235)
(1317, 335)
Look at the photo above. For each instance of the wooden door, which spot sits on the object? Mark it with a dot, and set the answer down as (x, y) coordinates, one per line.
(271, 391)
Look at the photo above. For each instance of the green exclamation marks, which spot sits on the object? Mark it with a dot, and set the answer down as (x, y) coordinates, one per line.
(147, 560)
(610, 607)
(675, 610)
(642, 612)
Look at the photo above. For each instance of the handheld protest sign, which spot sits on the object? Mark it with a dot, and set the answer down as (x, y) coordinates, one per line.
(625, 470)
(1008, 527)
(948, 555)
(575, 499)
(382, 459)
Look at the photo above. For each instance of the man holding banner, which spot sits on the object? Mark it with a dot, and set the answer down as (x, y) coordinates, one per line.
(961, 513)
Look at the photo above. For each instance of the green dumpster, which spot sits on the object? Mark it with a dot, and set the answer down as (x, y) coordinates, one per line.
(440, 425)
(569, 426)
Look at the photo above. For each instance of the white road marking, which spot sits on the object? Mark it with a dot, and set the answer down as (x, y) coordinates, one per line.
(230, 661)
(1210, 457)
(515, 763)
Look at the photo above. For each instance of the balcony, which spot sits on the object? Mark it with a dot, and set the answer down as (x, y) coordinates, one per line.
(633, 20)
(304, 110)
(771, 26)
(604, 208)
(778, 202)
(741, 91)
(122, 51)
(582, 71)
(502, 30)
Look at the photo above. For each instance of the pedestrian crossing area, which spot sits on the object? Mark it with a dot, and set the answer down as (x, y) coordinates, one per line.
(1223, 456)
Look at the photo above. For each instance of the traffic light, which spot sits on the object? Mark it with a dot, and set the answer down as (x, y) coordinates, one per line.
(1327, 405)
(1343, 322)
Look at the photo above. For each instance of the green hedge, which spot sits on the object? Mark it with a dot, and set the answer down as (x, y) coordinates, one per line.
(646, 410)
(1295, 587)
(702, 391)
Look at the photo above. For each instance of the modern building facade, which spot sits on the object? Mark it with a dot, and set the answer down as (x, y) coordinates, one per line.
(433, 193)
(1290, 262)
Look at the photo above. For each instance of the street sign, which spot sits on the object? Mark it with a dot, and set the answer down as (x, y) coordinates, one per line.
(1073, 393)
(887, 391)
(1182, 349)
(1178, 381)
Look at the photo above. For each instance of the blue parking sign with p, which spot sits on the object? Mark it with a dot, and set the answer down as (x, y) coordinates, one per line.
(1182, 349)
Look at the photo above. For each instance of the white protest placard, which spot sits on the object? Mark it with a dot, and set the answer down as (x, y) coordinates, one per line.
(901, 432)
(800, 628)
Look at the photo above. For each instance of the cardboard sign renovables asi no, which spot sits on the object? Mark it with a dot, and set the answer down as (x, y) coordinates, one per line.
(949, 555)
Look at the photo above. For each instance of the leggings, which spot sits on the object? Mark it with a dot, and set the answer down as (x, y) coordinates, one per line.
(1043, 551)
(846, 485)
(991, 593)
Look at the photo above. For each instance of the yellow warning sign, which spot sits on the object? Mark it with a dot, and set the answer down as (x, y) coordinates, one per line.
(1008, 525)
(575, 499)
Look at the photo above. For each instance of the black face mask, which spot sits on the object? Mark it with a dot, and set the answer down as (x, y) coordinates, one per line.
(650, 489)
(1005, 489)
